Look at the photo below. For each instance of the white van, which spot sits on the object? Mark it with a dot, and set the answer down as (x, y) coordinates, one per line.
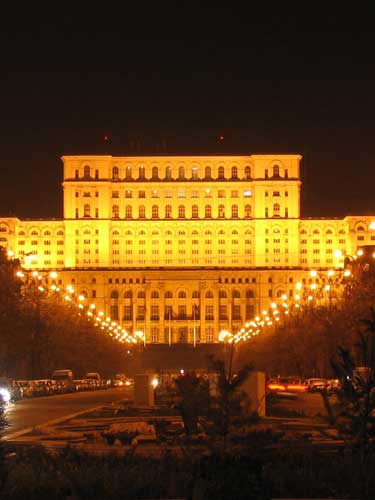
(66, 378)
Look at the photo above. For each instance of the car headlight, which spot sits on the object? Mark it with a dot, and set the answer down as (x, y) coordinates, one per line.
(5, 394)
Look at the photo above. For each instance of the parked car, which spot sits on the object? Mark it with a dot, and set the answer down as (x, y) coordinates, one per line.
(25, 387)
(96, 380)
(66, 378)
(119, 380)
(286, 384)
(9, 390)
(316, 384)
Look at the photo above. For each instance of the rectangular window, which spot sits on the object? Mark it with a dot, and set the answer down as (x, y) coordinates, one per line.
(140, 313)
(154, 312)
(127, 313)
(236, 312)
(154, 334)
(221, 193)
(209, 312)
(141, 194)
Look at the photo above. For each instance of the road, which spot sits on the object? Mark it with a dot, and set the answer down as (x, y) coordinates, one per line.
(303, 404)
(28, 413)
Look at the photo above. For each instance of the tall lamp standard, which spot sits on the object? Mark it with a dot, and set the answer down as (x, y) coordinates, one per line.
(332, 279)
(228, 338)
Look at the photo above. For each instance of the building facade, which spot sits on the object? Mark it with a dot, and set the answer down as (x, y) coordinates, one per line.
(183, 247)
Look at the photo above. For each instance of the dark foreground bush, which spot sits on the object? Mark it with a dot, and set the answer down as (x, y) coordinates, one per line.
(34, 474)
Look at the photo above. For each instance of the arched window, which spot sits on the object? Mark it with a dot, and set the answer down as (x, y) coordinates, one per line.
(276, 210)
(128, 294)
(234, 172)
(86, 172)
(207, 173)
(250, 294)
(221, 211)
(141, 295)
(220, 173)
(114, 294)
(115, 173)
(222, 294)
(181, 173)
(275, 171)
(194, 212)
(280, 293)
(360, 228)
(247, 211)
(168, 295)
(154, 294)
(209, 294)
(329, 231)
(247, 173)
(195, 294)
(115, 211)
(142, 172)
(194, 173)
(128, 212)
(234, 211)
(236, 294)
(142, 212)
(155, 212)
(168, 173)
(208, 211)
(155, 174)
(168, 211)
(86, 210)
(181, 211)
(128, 172)
(181, 294)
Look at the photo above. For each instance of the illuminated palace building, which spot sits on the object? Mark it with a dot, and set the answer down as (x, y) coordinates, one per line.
(185, 246)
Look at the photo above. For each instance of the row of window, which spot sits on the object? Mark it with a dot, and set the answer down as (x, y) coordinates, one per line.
(182, 171)
(182, 193)
(235, 294)
(182, 313)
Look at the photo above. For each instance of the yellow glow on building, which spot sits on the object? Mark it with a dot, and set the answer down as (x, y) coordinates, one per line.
(182, 248)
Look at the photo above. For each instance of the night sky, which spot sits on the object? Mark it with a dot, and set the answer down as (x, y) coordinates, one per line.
(173, 81)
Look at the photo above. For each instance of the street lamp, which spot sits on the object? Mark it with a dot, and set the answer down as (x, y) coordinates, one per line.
(333, 278)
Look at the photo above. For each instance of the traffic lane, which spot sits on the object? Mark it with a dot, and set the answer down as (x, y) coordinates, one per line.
(310, 404)
(39, 410)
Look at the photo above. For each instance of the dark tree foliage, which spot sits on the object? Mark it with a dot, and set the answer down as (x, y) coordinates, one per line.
(40, 333)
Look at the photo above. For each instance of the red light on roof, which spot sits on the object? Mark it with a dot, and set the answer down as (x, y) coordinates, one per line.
(106, 137)
(221, 137)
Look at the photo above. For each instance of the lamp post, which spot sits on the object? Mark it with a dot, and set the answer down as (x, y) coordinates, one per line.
(228, 338)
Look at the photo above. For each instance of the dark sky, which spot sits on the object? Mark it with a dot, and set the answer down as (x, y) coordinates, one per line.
(171, 81)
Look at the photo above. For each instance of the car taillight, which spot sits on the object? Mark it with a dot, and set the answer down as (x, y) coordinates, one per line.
(276, 387)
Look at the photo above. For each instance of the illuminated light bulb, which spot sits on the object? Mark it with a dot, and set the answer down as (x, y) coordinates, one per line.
(53, 274)
(298, 286)
(331, 272)
(327, 287)
(273, 305)
(310, 297)
(80, 306)
(297, 297)
(10, 253)
(108, 319)
(284, 297)
(337, 254)
(100, 313)
(313, 286)
(92, 306)
(347, 273)
(35, 273)
(360, 252)
(40, 288)
(53, 287)
(313, 273)
(81, 297)
(20, 274)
